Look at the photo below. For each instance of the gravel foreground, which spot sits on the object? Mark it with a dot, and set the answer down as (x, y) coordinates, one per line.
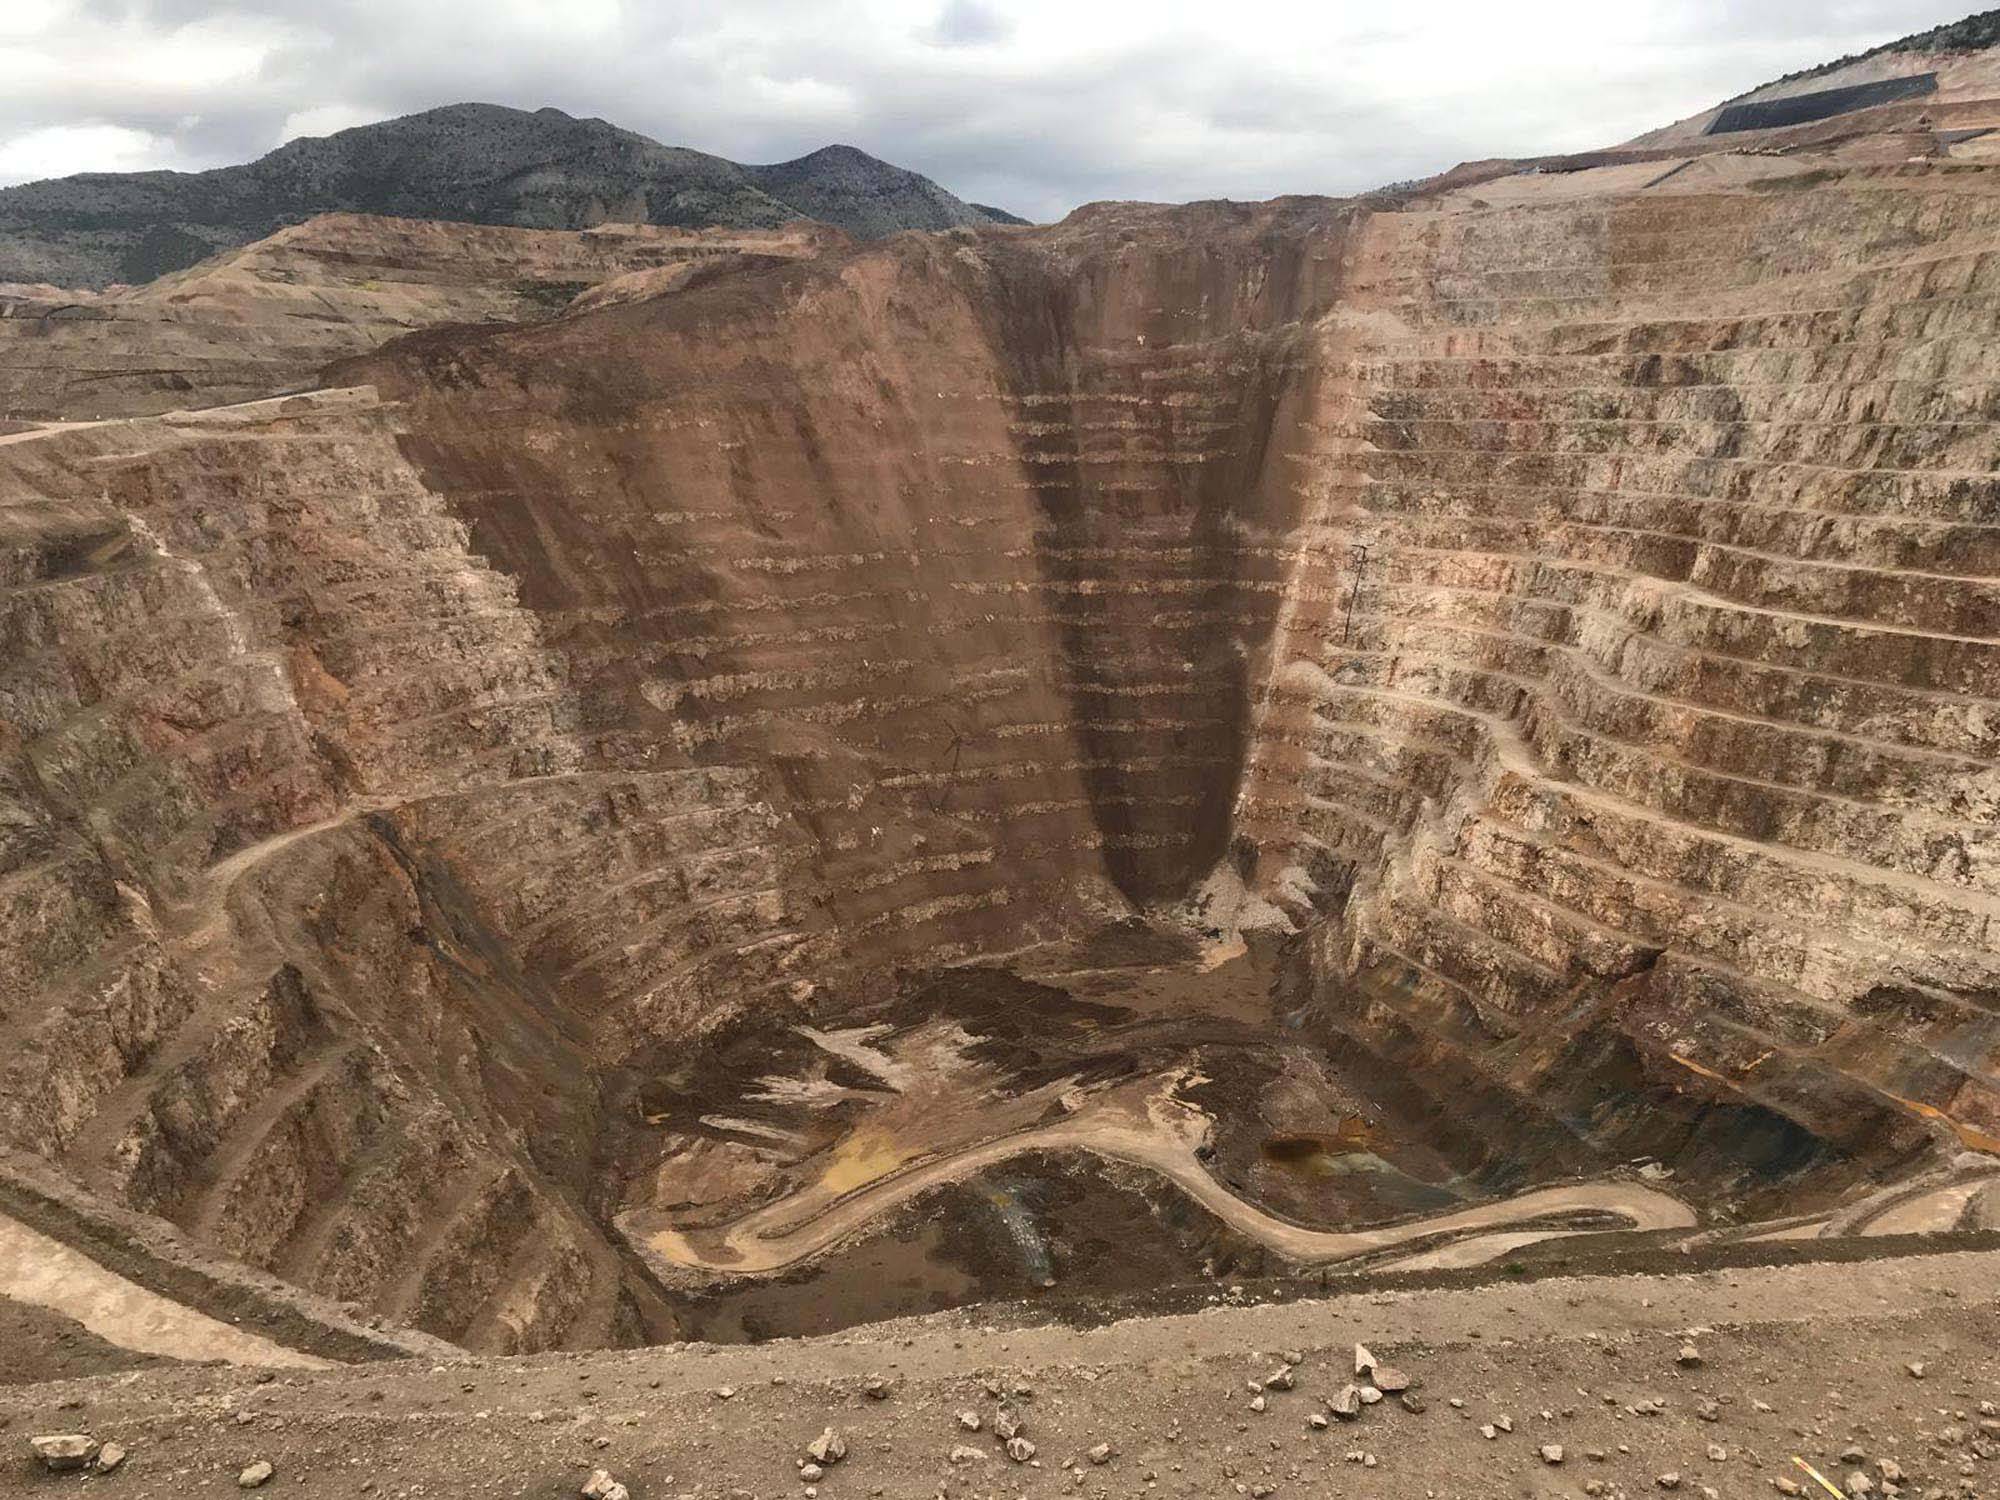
(1881, 1376)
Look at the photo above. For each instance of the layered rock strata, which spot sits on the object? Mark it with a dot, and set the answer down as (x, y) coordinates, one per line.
(266, 317)
(1575, 618)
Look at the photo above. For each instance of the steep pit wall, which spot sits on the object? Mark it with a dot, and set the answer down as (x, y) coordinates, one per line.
(394, 776)
(1656, 774)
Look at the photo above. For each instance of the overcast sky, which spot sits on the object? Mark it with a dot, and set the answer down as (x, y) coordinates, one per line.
(1035, 105)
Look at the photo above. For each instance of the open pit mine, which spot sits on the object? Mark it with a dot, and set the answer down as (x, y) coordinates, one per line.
(564, 789)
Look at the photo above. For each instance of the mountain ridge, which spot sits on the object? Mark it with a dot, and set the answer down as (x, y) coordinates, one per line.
(469, 163)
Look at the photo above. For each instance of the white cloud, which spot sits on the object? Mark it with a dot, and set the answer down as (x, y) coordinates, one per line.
(326, 119)
(58, 150)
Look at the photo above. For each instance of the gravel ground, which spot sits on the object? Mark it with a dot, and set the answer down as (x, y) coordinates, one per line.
(1799, 1360)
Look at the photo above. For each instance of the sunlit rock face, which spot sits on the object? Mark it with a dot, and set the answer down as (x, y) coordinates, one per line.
(1572, 620)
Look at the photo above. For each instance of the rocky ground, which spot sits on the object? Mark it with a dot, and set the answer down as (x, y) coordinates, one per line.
(1881, 1376)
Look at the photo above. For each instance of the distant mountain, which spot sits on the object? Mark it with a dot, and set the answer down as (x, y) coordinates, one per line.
(1000, 215)
(473, 163)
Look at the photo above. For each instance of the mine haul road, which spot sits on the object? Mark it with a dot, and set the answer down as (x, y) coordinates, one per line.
(803, 1224)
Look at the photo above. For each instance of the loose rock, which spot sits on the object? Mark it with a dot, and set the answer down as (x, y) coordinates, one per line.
(63, 1451)
(111, 1455)
(828, 1448)
(259, 1474)
(1020, 1449)
(1101, 1454)
(1552, 1453)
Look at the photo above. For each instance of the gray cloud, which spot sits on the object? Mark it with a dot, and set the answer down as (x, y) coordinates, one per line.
(1037, 105)
(967, 23)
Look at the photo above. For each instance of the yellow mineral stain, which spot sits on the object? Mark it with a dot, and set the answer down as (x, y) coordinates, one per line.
(1969, 1135)
(861, 1158)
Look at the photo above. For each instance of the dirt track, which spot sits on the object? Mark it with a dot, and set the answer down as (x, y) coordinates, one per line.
(1146, 1127)
(46, 1273)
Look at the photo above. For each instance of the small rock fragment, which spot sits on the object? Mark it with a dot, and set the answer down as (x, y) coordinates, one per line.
(1020, 1449)
(1317, 1421)
(1717, 1453)
(1363, 1360)
(1347, 1404)
(1504, 1423)
(1280, 1380)
(260, 1472)
(111, 1455)
(1391, 1379)
(1888, 1468)
(1689, 1357)
(969, 1420)
(1008, 1424)
(1101, 1454)
(877, 1389)
(960, 1454)
(811, 1473)
(1552, 1453)
(1916, 1369)
(828, 1448)
(63, 1451)
(1411, 1402)
(1369, 1395)
(1671, 1480)
(1858, 1484)
(1488, 1431)
(1257, 1403)
(724, 1392)
(1784, 1484)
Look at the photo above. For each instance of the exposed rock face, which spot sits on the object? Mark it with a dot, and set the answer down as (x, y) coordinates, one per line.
(468, 163)
(267, 317)
(389, 768)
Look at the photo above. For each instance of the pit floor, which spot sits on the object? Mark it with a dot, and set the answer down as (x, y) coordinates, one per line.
(960, 1059)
